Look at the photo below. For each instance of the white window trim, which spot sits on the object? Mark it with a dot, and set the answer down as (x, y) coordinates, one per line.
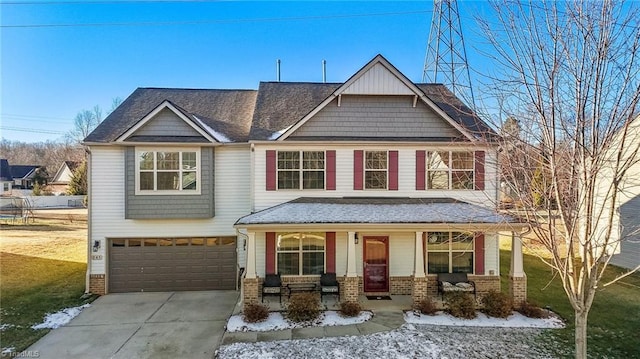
(364, 171)
(450, 251)
(155, 192)
(300, 251)
(449, 171)
(301, 172)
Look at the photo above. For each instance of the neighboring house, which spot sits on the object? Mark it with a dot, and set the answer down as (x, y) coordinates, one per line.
(383, 181)
(60, 181)
(23, 175)
(6, 179)
(625, 236)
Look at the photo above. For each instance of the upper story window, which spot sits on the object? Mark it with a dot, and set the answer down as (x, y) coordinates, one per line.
(450, 252)
(301, 169)
(375, 169)
(450, 170)
(300, 253)
(173, 171)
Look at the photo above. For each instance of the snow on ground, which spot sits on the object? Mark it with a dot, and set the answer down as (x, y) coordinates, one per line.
(6, 326)
(277, 322)
(515, 320)
(408, 341)
(55, 320)
(8, 351)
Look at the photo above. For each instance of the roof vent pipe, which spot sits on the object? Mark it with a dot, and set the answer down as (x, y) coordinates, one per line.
(278, 70)
(324, 71)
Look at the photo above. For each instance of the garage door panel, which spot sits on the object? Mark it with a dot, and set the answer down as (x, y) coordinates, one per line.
(170, 267)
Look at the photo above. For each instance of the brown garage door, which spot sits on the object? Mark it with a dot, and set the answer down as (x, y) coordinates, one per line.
(172, 264)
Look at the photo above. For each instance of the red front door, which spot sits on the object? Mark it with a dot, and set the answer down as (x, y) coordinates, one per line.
(376, 264)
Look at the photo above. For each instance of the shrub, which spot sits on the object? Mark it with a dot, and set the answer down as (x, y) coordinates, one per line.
(350, 309)
(303, 307)
(461, 305)
(531, 310)
(497, 304)
(254, 313)
(426, 306)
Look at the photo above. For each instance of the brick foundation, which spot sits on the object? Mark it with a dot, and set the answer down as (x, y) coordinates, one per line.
(518, 289)
(400, 285)
(484, 284)
(97, 284)
(349, 289)
(251, 291)
(418, 289)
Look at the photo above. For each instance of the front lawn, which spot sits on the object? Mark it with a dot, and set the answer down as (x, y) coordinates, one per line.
(614, 320)
(42, 269)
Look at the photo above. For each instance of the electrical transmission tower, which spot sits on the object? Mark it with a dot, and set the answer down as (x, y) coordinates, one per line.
(446, 58)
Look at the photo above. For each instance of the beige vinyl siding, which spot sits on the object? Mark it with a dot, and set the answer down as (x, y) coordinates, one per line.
(491, 253)
(108, 191)
(378, 81)
(376, 116)
(261, 250)
(344, 176)
(166, 123)
(341, 253)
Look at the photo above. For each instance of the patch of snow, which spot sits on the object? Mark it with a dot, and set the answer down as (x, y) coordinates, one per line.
(8, 350)
(515, 320)
(275, 135)
(217, 135)
(276, 321)
(6, 326)
(55, 320)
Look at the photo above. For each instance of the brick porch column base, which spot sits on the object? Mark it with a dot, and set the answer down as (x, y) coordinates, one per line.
(97, 284)
(349, 290)
(418, 289)
(518, 289)
(250, 291)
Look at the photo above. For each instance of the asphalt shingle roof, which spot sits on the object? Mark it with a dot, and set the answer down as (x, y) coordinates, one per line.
(5, 171)
(21, 171)
(307, 210)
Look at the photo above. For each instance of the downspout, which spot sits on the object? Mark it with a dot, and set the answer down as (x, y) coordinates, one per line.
(89, 204)
(252, 176)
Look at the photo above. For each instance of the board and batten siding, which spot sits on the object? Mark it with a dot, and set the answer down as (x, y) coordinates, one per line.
(107, 202)
(344, 176)
(166, 123)
(375, 117)
(146, 206)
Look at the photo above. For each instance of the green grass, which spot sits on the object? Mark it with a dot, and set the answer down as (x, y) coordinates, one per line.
(614, 320)
(30, 288)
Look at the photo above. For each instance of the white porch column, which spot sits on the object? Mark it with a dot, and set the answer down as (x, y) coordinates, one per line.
(517, 268)
(251, 255)
(418, 263)
(351, 255)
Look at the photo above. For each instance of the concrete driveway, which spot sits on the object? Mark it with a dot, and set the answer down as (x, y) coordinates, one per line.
(144, 325)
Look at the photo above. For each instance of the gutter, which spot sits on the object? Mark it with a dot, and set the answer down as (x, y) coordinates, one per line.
(89, 205)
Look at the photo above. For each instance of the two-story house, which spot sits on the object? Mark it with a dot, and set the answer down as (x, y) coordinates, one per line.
(380, 180)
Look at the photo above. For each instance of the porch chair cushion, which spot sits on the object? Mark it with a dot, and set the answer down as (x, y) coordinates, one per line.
(272, 285)
(329, 284)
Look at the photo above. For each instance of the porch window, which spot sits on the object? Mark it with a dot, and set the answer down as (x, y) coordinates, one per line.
(300, 253)
(301, 169)
(168, 172)
(375, 170)
(450, 252)
(450, 170)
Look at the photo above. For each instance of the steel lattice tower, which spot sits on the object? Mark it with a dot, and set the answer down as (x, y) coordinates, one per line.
(446, 58)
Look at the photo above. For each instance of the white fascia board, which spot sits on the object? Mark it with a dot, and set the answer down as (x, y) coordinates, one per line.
(165, 104)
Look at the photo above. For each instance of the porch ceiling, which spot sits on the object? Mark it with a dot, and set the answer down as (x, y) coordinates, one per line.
(307, 211)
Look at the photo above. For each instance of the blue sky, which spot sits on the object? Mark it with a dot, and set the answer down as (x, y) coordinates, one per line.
(50, 73)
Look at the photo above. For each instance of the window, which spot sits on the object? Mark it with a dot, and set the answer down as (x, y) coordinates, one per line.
(5, 187)
(450, 170)
(300, 253)
(301, 169)
(168, 172)
(375, 170)
(450, 252)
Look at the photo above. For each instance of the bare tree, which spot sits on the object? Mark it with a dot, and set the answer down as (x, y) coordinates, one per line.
(85, 122)
(570, 73)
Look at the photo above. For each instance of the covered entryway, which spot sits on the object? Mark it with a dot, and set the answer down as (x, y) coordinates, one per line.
(171, 264)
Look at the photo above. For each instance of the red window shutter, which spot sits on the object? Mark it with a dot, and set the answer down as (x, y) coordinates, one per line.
(271, 170)
(331, 252)
(358, 173)
(270, 259)
(393, 170)
(421, 160)
(331, 170)
(479, 253)
(479, 156)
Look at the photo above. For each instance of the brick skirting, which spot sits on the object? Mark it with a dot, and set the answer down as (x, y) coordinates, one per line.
(97, 284)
